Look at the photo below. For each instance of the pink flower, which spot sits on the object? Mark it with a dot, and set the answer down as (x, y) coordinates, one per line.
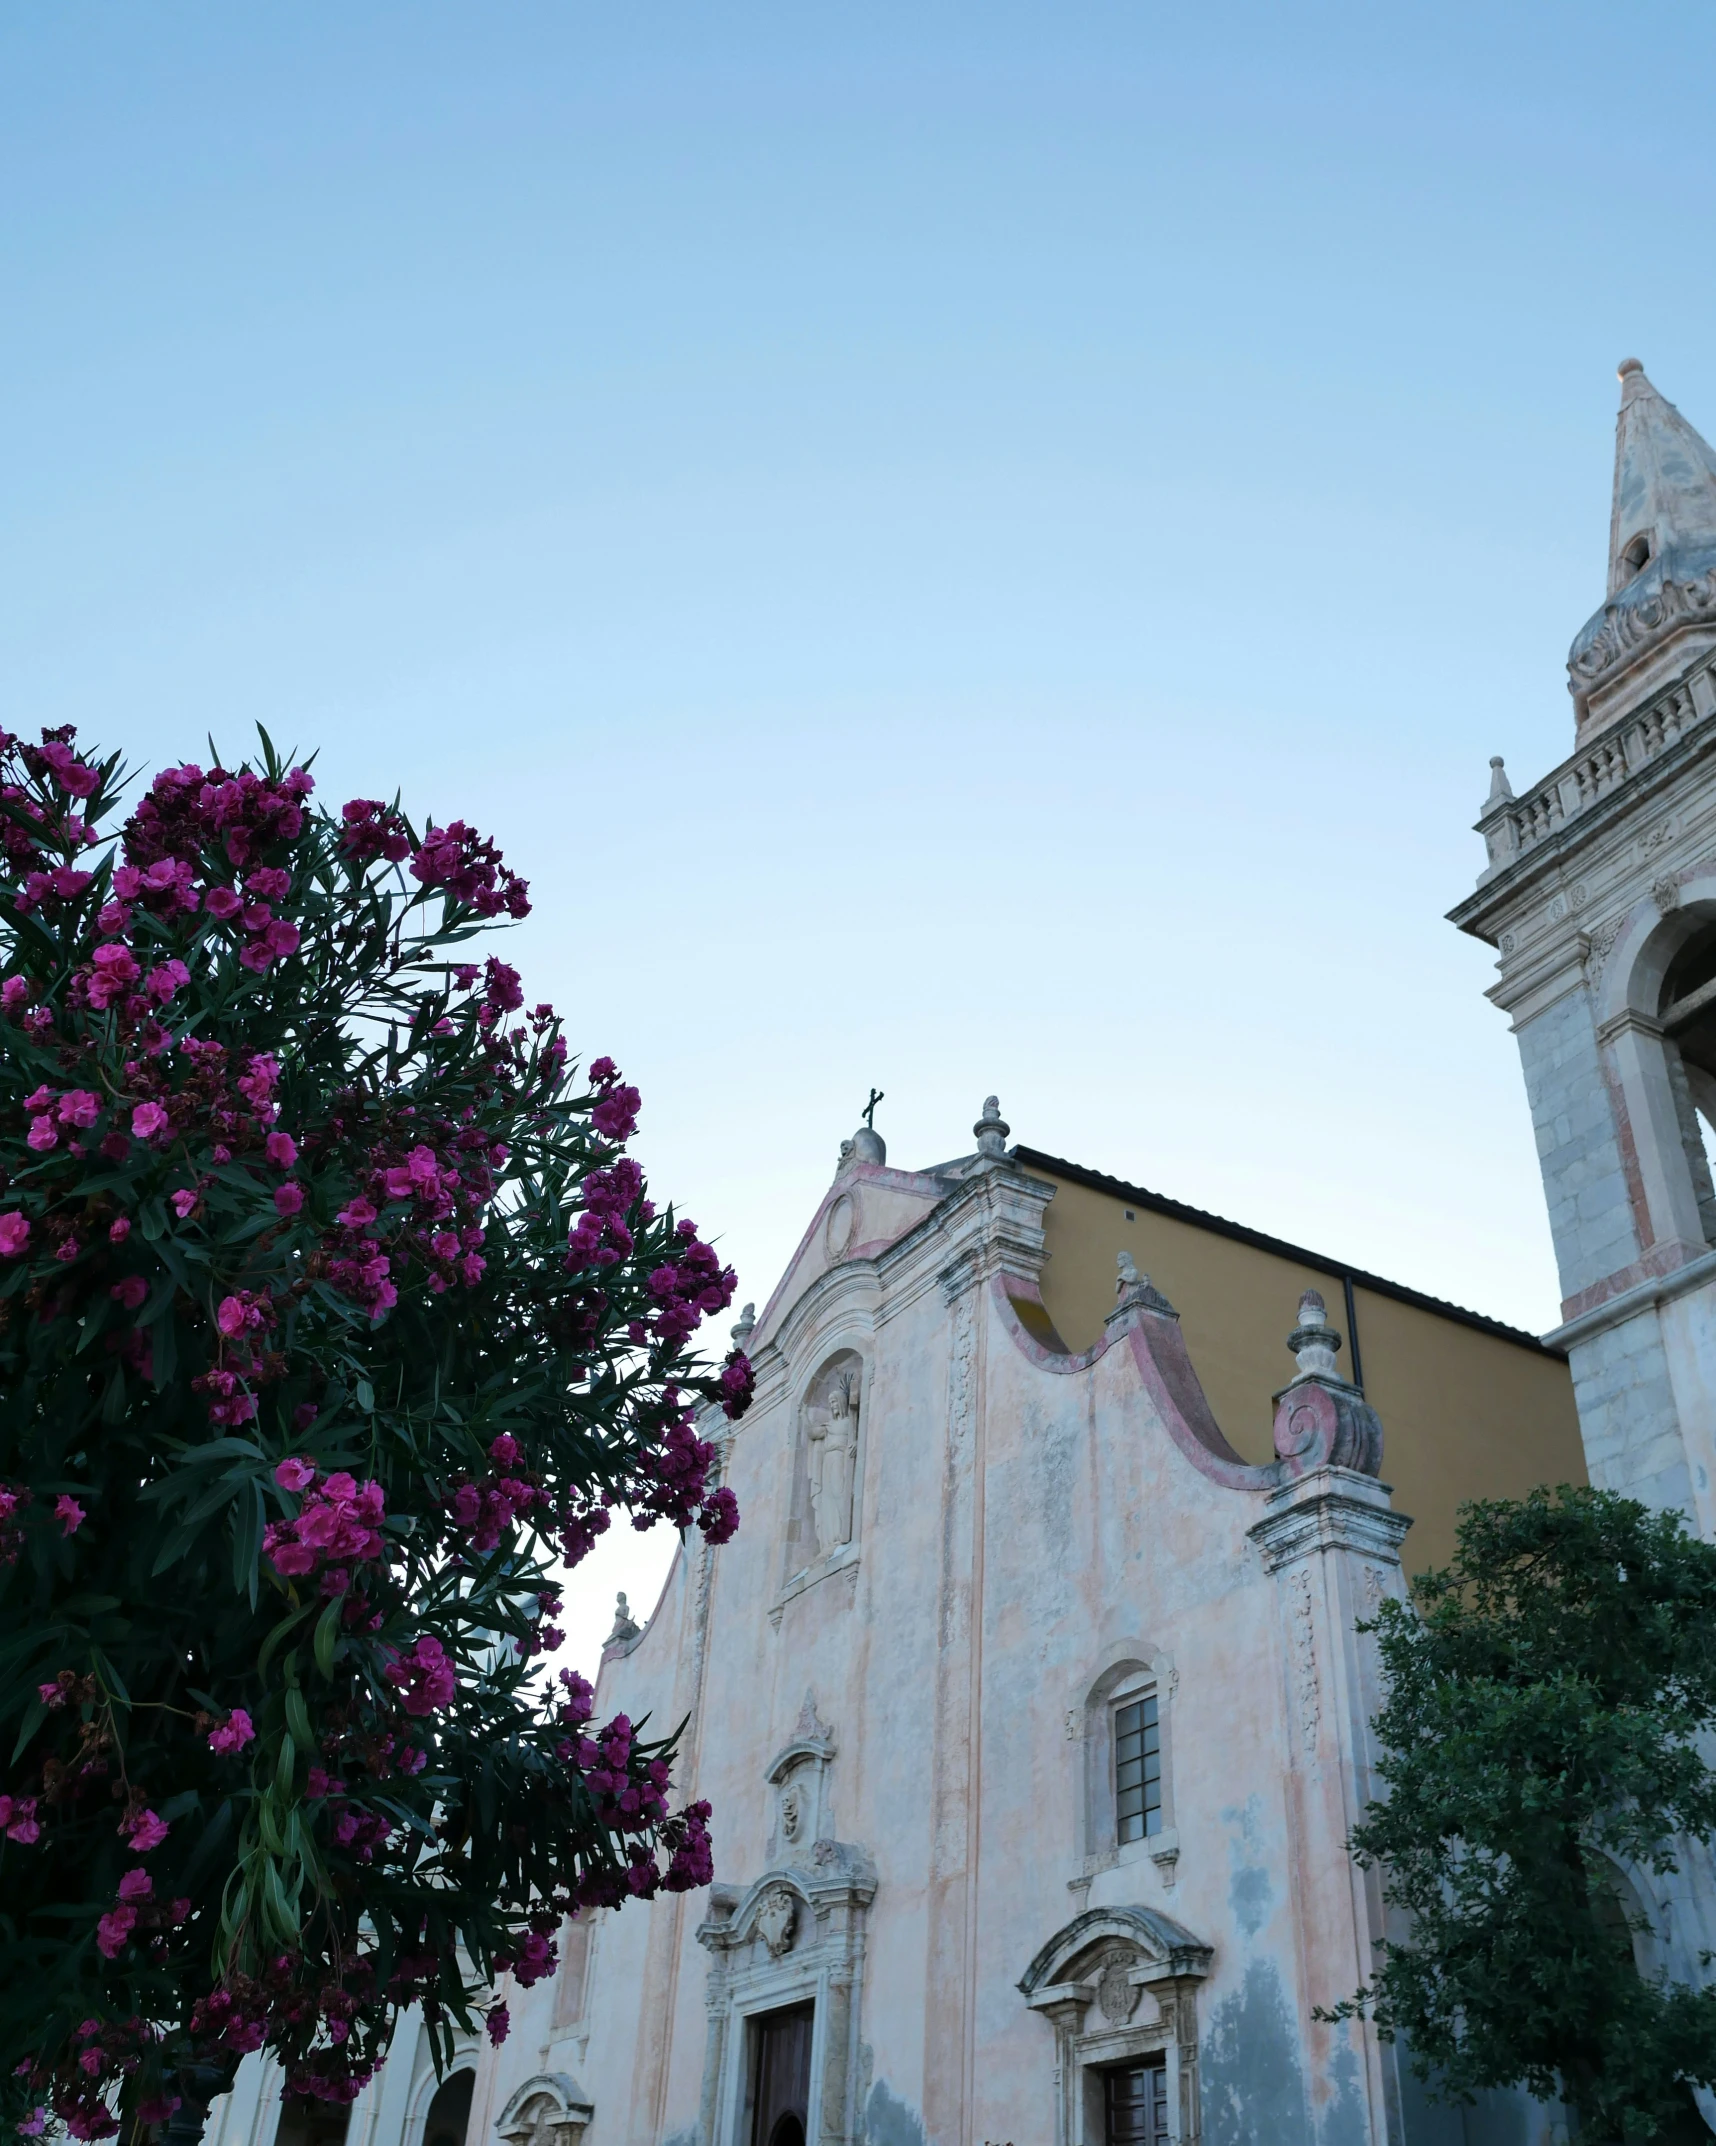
(143, 1830)
(18, 1820)
(69, 1513)
(167, 978)
(233, 1734)
(426, 1676)
(34, 2124)
(130, 1292)
(221, 902)
(357, 1214)
(148, 1119)
(184, 1204)
(499, 2025)
(113, 972)
(295, 1474)
(14, 1234)
(281, 938)
(233, 1316)
(79, 1107)
(282, 1150)
(113, 1932)
(136, 1885)
(288, 1199)
(42, 1135)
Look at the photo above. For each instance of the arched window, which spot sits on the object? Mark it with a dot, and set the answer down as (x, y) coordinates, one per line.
(1127, 1808)
(1635, 557)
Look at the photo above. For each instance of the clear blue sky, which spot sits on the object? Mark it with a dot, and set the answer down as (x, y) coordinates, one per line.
(960, 547)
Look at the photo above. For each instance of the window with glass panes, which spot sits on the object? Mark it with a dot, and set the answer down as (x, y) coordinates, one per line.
(1137, 1769)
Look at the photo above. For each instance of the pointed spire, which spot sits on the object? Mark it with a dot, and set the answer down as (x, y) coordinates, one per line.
(1665, 481)
(1501, 790)
(1662, 561)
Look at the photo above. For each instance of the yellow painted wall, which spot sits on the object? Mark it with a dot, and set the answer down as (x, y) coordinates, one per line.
(1465, 1414)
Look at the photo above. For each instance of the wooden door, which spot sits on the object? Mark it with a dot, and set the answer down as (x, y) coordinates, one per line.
(780, 2076)
(1136, 2101)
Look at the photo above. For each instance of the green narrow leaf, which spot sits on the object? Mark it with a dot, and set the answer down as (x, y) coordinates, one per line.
(298, 1720)
(327, 1634)
(285, 1766)
(247, 1521)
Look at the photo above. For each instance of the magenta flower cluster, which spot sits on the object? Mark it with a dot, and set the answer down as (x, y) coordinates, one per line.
(337, 1526)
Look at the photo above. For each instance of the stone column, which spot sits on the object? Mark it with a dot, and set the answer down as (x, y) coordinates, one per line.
(1332, 1541)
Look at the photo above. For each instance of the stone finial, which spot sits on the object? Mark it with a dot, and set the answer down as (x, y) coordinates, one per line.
(626, 1629)
(1321, 1419)
(1314, 1341)
(1501, 790)
(992, 1130)
(1129, 1275)
(746, 1327)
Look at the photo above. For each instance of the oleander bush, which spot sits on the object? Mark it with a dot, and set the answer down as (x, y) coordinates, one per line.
(335, 1320)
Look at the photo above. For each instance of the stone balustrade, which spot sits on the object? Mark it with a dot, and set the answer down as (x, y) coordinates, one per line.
(1514, 826)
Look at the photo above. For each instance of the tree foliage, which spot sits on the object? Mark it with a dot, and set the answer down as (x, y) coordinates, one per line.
(1546, 1724)
(332, 1314)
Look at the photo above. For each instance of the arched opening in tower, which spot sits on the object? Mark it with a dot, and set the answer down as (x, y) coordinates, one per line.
(1687, 1010)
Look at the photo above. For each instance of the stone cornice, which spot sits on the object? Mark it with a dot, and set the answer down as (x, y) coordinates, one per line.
(1331, 1509)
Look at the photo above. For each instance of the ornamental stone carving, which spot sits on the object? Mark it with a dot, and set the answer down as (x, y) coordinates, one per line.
(548, 2110)
(832, 1436)
(777, 1918)
(1116, 1992)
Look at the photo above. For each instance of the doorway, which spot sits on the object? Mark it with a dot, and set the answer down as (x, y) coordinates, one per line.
(780, 2076)
(1135, 2105)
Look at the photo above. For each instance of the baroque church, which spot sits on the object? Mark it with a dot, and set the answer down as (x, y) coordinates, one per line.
(1031, 1696)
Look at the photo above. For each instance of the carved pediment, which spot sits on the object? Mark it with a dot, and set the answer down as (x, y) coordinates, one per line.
(550, 2109)
(1106, 1952)
(782, 1908)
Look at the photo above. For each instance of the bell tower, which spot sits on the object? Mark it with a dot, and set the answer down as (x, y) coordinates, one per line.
(1599, 895)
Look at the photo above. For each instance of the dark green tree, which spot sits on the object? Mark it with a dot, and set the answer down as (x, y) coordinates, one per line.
(1547, 1722)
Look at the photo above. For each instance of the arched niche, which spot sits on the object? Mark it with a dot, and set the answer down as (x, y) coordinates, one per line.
(828, 1448)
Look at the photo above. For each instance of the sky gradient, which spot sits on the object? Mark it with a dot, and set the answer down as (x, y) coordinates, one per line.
(960, 548)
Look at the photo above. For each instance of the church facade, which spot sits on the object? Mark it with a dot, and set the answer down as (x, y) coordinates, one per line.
(1031, 1696)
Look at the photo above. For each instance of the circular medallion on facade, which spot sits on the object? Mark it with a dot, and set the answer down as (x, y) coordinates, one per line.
(837, 1230)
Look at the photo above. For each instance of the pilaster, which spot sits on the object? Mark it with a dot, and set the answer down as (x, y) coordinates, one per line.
(1332, 1541)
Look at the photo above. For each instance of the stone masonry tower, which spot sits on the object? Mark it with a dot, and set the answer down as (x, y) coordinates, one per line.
(1599, 893)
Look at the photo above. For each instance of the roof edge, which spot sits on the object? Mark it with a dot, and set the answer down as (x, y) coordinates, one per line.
(1159, 1203)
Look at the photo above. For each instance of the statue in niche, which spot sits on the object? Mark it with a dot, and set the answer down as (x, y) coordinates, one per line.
(833, 1434)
